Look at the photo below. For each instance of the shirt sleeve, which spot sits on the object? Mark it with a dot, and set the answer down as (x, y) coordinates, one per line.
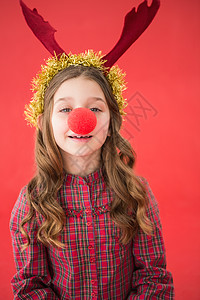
(151, 280)
(32, 280)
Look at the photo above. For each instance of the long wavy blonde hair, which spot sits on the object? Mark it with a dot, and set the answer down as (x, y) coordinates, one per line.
(128, 208)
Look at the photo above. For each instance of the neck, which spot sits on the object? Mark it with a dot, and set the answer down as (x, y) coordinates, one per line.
(82, 165)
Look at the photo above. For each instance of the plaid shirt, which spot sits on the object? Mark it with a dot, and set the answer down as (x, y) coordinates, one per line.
(94, 265)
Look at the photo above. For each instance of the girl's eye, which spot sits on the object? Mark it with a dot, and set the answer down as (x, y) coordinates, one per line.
(95, 108)
(65, 110)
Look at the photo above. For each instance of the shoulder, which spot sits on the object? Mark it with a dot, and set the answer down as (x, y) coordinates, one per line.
(152, 204)
(148, 190)
(20, 208)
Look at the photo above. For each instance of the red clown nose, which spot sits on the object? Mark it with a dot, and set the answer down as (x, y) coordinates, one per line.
(82, 120)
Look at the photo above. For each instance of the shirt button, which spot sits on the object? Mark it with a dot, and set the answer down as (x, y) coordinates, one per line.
(92, 259)
(93, 281)
(90, 247)
(87, 210)
(88, 223)
(93, 294)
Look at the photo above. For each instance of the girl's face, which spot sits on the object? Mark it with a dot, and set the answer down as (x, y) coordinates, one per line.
(74, 93)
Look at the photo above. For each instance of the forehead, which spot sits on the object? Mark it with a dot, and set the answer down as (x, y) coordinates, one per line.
(79, 87)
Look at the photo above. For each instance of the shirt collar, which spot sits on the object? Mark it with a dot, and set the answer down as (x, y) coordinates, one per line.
(88, 179)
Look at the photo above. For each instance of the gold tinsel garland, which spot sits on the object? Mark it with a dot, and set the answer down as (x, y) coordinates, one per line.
(55, 64)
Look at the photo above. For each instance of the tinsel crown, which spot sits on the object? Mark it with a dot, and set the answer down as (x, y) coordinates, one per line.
(54, 64)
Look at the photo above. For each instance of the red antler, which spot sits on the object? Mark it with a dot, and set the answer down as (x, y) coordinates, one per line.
(134, 25)
(42, 29)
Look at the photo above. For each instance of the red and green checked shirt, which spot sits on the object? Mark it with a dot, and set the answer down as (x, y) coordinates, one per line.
(94, 265)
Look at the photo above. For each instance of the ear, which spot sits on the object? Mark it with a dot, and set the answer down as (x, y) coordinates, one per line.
(40, 121)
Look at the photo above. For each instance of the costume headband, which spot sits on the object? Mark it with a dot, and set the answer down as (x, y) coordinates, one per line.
(134, 25)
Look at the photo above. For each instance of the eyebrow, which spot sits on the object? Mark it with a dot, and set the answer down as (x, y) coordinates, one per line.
(70, 98)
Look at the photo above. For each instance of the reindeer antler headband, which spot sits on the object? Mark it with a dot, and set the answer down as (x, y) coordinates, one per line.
(134, 25)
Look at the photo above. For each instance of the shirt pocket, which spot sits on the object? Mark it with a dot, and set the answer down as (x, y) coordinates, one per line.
(110, 250)
(121, 250)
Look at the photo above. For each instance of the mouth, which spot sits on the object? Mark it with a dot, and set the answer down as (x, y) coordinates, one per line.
(78, 137)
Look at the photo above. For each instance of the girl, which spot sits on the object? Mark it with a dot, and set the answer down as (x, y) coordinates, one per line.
(92, 225)
(86, 226)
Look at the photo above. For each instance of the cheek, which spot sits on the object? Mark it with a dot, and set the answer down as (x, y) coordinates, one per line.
(104, 125)
(59, 125)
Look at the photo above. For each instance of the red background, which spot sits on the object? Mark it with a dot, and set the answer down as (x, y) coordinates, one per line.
(163, 66)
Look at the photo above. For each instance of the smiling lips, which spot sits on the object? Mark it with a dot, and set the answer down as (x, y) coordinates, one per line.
(80, 137)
